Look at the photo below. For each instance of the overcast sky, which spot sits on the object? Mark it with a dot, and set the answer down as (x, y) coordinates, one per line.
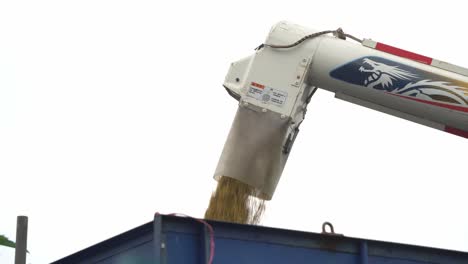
(113, 110)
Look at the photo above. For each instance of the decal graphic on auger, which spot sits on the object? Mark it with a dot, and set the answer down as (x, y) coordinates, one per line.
(405, 81)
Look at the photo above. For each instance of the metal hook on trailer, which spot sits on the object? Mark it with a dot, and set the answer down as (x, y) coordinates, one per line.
(332, 230)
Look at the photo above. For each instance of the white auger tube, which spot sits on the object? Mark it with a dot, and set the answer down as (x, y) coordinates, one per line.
(274, 86)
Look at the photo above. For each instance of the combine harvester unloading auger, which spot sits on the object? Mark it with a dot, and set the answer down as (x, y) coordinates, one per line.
(273, 87)
(275, 84)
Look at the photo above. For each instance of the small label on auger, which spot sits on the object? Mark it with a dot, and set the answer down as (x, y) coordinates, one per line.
(267, 94)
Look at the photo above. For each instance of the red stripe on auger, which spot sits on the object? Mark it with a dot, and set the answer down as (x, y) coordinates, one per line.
(456, 131)
(453, 107)
(403, 53)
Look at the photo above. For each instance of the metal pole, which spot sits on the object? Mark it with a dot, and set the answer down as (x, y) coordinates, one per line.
(364, 253)
(21, 239)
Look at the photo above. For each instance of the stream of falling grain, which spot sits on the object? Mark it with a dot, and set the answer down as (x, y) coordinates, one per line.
(234, 201)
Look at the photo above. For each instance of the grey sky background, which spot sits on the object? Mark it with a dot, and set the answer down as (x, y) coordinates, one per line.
(113, 110)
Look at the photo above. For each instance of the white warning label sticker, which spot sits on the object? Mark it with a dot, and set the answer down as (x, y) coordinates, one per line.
(267, 94)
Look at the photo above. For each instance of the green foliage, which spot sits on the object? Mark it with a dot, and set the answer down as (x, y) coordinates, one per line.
(4, 241)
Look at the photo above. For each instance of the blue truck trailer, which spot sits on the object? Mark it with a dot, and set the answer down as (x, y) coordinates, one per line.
(183, 240)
